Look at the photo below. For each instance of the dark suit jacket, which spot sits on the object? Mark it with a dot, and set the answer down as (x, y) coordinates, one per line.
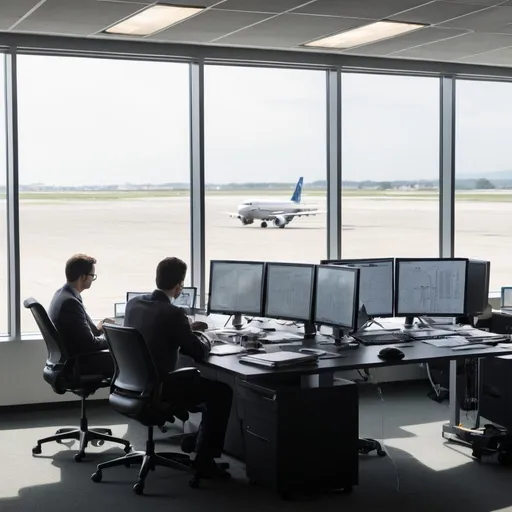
(166, 330)
(73, 323)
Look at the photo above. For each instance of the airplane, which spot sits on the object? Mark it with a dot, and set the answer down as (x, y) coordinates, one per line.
(280, 213)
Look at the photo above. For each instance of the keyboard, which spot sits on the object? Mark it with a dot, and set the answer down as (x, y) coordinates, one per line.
(385, 338)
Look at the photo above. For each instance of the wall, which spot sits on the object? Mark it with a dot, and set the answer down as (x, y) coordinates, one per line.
(21, 368)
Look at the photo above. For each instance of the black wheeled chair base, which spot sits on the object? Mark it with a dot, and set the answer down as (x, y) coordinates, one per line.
(100, 435)
(366, 446)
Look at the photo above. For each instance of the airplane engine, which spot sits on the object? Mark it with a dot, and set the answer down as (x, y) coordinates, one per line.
(280, 222)
(245, 221)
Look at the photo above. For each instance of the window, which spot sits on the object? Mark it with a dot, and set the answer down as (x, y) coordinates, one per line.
(3, 207)
(265, 129)
(390, 166)
(104, 170)
(483, 205)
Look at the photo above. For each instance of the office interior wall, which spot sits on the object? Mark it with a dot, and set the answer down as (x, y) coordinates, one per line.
(21, 361)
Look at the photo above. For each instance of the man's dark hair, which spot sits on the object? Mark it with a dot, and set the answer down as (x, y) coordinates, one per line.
(170, 272)
(78, 265)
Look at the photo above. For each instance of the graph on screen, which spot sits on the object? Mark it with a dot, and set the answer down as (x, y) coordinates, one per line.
(289, 291)
(236, 287)
(335, 296)
(431, 287)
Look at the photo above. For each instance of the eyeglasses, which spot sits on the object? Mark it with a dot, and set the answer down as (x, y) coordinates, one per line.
(94, 276)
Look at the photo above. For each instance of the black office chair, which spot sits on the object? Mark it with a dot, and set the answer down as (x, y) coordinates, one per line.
(136, 393)
(63, 374)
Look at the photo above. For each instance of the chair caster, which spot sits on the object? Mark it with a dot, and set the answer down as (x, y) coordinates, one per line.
(97, 442)
(194, 483)
(108, 432)
(381, 453)
(36, 450)
(79, 456)
(127, 450)
(138, 488)
(96, 477)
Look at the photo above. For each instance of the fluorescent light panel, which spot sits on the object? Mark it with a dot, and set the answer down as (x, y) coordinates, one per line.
(151, 20)
(367, 34)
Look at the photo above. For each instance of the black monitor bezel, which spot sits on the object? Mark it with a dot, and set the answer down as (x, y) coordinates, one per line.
(355, 314)
(371, 260)
(487, 264)
(262, 292)
(503, 288)
(416, 314)
(312, 301)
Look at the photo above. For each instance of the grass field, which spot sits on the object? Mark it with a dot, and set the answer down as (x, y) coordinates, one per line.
(504, 196)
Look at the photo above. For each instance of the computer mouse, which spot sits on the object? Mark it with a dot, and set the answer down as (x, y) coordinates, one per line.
(391, 353)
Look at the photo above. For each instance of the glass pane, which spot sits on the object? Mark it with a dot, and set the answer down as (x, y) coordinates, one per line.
(265, 129)
(483, 205)
(4, 324)
(104, 170)
(390, 165)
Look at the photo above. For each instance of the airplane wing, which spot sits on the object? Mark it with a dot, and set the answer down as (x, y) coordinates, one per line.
(232, 214)
(297, 214)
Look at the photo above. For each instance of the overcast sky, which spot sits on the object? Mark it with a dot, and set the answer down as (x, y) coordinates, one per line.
(98, 121)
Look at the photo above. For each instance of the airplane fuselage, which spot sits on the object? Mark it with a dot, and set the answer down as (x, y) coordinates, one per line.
(280, 213)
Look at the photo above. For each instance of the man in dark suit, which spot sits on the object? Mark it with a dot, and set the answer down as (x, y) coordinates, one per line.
(73, 323)
(167, 331)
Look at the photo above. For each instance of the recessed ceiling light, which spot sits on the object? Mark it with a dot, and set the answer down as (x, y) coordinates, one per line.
(367, 34)
(152, 19)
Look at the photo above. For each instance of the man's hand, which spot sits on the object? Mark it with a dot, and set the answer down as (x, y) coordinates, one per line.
(199, 326)
(105, 321)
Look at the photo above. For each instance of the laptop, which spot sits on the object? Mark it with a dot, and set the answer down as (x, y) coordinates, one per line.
(506, 299)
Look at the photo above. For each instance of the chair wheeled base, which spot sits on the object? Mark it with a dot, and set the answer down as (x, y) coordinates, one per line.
(96, 436)
(366, 446)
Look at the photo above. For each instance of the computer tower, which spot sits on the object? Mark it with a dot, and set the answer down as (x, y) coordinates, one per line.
(300, 440)
(496, 390)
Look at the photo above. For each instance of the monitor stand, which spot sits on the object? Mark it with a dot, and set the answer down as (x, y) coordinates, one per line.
(237, 322)
(370, 322)
(338, 335)
(309, 330)
(409, 322)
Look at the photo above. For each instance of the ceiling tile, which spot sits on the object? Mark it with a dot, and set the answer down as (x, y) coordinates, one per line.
(370, 9)
(290, 30)
(436, 12)
(395, 44)
(486, 3)
(59, 27)
(274, 6)
(495, 19)
(209, 25)
(494, 58)
(459, 47)
(12, 10)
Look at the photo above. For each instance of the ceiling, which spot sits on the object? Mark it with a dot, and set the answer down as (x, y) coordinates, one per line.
(461, 31)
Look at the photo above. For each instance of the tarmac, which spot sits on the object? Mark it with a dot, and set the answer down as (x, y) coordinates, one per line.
(129, 237)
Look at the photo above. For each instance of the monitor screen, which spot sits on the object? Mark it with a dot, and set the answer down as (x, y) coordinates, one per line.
(236, 287)
(289, 291)
(187, 298)
(477, 294)
(431, 287)
(119, 309)
(131, 295)
(506, 297)
(336, 296)
(376, 284)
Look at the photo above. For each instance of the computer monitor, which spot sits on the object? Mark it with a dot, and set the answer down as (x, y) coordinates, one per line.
(337, 296)
(131, 295)
(289, 291)
(236, 288)
(506, 297)
(376, 284)
(477, 295)
(119, 309)
(430, 287)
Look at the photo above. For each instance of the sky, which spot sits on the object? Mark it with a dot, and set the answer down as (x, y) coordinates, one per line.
(99, 122)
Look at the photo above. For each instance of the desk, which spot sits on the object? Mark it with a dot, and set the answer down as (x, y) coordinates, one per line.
(364, 357)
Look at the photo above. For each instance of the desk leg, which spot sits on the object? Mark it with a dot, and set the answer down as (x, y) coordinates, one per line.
(450, 430)
(321, 380)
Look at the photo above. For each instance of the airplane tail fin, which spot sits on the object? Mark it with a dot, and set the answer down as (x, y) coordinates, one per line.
(297, 193)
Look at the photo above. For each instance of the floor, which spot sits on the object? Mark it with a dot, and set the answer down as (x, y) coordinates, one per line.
(422, 473)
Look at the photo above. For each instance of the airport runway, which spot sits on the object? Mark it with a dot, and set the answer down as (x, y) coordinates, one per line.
(129, 237)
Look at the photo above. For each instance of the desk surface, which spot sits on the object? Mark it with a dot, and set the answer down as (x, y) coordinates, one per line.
(353, 359)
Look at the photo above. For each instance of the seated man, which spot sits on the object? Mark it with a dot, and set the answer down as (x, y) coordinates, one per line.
(166, 329)
(72, 322)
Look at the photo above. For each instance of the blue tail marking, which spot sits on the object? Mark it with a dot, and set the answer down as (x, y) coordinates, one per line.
(297, 193)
